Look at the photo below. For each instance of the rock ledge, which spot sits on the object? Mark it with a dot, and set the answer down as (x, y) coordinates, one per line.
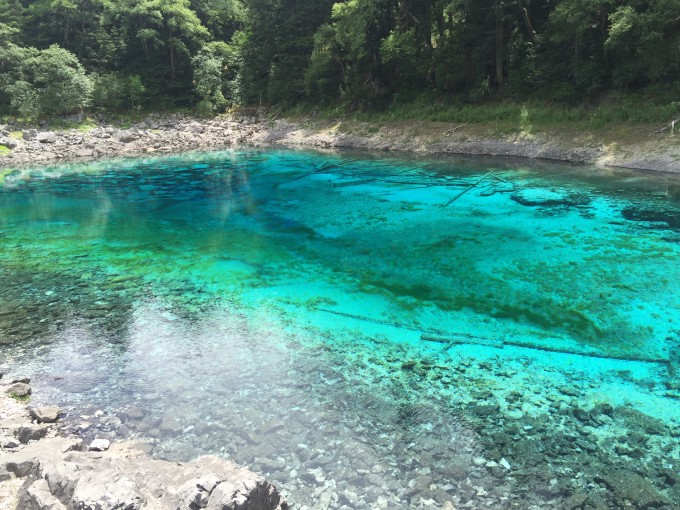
(47, 472)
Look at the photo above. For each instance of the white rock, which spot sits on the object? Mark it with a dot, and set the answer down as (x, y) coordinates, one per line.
(99, 445)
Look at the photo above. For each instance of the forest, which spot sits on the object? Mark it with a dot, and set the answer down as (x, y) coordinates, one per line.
(59, 57)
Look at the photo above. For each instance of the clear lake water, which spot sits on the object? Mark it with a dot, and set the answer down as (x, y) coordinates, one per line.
(367, 331)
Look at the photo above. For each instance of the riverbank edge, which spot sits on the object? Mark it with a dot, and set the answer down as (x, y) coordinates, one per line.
(39, 459)
(177, 133)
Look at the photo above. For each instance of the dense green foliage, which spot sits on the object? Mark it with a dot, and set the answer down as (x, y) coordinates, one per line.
(62, 56)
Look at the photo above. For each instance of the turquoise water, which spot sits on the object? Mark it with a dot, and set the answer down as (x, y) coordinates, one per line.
(366, 332)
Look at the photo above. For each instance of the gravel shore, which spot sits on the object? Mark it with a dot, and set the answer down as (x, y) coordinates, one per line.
(178, 133)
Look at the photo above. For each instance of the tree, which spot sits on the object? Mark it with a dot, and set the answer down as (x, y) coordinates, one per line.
(577, 32)
(221, 17)
(166, 32)
(352, 43)
(211, 74)
(60, 81)
(275, 52)
(643, 43)
(50, 82)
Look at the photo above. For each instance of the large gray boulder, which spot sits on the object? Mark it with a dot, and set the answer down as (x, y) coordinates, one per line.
(125, 136)
(46, 137)
(45, 414)
(18, 390)
(29, 134)
(7, 142)
(126, 478)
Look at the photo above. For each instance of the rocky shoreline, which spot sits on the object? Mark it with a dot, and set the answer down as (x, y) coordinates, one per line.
(177, 133)
(41, 469)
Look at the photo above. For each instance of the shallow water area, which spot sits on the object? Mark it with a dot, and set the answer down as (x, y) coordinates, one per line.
(367, 332)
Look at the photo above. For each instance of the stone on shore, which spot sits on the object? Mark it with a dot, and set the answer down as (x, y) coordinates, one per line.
(31, 433)
(40, 497)
(46, 137)
(19, 390)
(127, 478)
(99, 445)
(125, 136)
(84, 153)
(29, 134)
(8, 142)
(39, 471)
(46, 414)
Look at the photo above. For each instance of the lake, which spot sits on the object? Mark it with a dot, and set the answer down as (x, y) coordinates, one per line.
(367, 331)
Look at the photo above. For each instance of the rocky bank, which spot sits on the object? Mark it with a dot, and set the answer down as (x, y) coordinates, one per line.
(41, 470)
(176, 133)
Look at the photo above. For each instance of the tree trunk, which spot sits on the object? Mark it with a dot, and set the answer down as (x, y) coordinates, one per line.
(172, 63)
(577, 44)
(172, 55)
(499, 44)
(82, 39)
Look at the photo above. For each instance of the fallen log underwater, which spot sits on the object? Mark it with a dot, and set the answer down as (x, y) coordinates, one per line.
(453, 339)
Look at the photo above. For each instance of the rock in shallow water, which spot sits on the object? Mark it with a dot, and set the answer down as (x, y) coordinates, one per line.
(629, 486)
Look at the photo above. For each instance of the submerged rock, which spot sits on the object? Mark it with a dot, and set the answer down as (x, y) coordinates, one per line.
(535, 197)
(629, 486)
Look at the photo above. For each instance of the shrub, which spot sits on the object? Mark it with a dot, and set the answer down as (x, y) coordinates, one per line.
(116, 92)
